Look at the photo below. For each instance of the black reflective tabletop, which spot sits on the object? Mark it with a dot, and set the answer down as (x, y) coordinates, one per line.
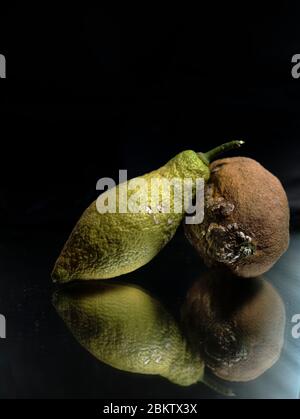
(40, 357)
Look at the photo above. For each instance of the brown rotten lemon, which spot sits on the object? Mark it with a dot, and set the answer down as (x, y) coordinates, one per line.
(237, 327)
(246, 218)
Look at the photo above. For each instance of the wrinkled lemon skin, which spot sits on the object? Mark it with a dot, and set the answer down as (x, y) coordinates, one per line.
(106, 245)
(246, 220)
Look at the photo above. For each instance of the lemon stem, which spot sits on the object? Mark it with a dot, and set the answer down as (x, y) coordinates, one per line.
(209, 156)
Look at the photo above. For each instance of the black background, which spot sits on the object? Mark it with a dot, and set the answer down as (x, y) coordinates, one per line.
(91, 90)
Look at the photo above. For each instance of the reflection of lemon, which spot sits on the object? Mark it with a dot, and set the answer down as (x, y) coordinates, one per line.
(236, 326)
(126, 328)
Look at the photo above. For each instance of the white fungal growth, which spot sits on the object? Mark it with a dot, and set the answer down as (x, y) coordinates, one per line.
(227, 244)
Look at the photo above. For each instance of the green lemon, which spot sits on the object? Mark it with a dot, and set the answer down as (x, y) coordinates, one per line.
(108, 244)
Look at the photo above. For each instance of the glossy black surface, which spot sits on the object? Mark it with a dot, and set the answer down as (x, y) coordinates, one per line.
(40, 357)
